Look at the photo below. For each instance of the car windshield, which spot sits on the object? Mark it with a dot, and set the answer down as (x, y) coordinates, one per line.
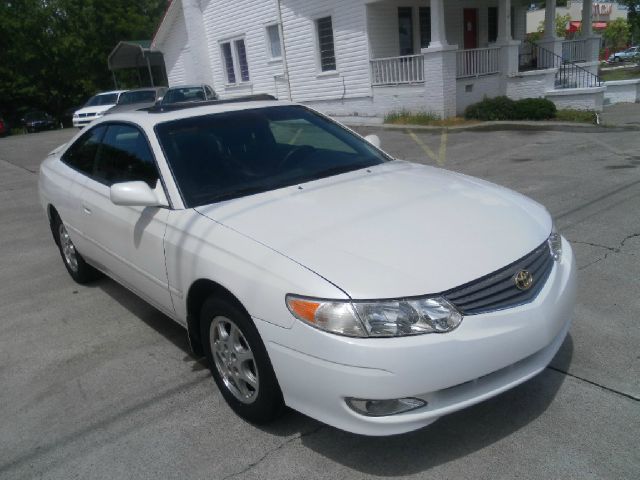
(228, 155)
(187, 94)
(142, 96)
(105, 99)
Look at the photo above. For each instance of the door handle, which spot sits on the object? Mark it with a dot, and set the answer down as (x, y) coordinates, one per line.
(86, 209)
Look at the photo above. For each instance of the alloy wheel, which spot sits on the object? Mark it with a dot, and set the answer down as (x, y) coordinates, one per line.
(68, 249)
(234, 359)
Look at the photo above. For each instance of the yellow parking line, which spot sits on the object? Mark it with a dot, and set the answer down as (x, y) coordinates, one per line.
(295, 137)
(442, 154)
(440, 159)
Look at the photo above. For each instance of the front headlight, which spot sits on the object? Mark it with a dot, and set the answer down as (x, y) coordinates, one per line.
(377, 318)
(555, 244)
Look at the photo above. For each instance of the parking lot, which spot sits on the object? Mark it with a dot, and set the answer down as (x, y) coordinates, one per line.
(95, 383)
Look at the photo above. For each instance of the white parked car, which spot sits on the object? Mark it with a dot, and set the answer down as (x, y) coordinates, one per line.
(310, 267)
(95, 107)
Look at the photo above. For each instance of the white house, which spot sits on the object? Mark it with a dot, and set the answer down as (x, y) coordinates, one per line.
(372, 57)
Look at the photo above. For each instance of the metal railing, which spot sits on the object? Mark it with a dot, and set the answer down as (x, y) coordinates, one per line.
(477, 61)
(397, 70)
(568, 75)
(573, 51)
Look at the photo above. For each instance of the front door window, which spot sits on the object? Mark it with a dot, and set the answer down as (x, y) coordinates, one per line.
(470, 28)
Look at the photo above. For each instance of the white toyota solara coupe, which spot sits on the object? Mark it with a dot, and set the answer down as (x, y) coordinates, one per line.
(311, 268)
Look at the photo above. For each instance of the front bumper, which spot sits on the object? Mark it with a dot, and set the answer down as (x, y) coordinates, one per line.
(486, 355)
(81, 122)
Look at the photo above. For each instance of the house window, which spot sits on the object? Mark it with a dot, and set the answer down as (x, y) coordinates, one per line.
(325, 44)
(425, 26)
(493, 24)
(273, 38)
(235, 61)
(405, 30)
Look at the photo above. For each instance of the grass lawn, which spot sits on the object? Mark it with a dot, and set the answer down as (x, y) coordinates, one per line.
(620, 74)
(581, 116)
(425, 118)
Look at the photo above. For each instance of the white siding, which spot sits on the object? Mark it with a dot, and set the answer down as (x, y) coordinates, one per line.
(351, 78)
(177, 56)
(248, 19)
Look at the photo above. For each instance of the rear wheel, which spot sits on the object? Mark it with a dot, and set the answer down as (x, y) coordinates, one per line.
(239, 362)
(77, 267)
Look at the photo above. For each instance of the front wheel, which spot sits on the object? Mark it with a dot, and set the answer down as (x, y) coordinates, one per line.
(239, 362)
(79, 270)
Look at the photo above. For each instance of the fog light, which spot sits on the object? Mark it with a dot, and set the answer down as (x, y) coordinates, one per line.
(381, 408)
(555, 244)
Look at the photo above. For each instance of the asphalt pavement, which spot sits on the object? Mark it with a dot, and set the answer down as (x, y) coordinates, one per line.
(96, 384)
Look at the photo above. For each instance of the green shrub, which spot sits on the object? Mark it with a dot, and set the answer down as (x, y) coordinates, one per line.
(503, 108)
(498, 108)
(534, 109)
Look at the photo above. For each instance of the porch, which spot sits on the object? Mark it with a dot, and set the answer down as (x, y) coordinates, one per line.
(468, 50)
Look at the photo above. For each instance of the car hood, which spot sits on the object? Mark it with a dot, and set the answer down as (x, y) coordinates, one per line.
(96, 109)
(395, 230)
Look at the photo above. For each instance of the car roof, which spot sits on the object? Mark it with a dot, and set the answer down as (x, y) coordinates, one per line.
(195, 85)
(144, 89)
(149, 117)
(110, 92)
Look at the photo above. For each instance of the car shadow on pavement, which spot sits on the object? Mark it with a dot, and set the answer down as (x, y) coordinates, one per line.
(153, 317)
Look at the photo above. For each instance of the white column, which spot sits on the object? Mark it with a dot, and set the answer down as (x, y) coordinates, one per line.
(550, 41)
(591, 41)
(587, 18)
(504, 21)
(438, 33)
(197, 38)
(550, 19)
(440, 66)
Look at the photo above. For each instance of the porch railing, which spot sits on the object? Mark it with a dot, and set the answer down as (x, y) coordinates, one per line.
(397, 70)
(573, 51)
(568, 74)
(477, 62)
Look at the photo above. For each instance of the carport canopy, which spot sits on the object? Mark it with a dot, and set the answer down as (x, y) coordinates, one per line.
(135, 54)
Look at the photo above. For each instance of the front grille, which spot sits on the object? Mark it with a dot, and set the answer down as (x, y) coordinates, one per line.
(83, 115)
(498, 290)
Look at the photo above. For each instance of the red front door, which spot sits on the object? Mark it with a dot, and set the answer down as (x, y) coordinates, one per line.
(470, 28)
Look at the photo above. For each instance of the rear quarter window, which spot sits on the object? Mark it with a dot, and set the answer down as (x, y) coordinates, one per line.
(81, 155)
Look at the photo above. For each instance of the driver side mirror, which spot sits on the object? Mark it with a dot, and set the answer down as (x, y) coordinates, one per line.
(373, 140)
(135, 194)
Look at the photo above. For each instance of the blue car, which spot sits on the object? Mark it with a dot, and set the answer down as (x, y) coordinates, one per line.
(625, 56)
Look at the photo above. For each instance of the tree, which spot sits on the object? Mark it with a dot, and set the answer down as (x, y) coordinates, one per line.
(617, 34)
(633, 17)
(562, 22)
(54, 52)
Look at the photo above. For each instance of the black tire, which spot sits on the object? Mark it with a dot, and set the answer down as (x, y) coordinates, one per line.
(264, 403)
(79, 269)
